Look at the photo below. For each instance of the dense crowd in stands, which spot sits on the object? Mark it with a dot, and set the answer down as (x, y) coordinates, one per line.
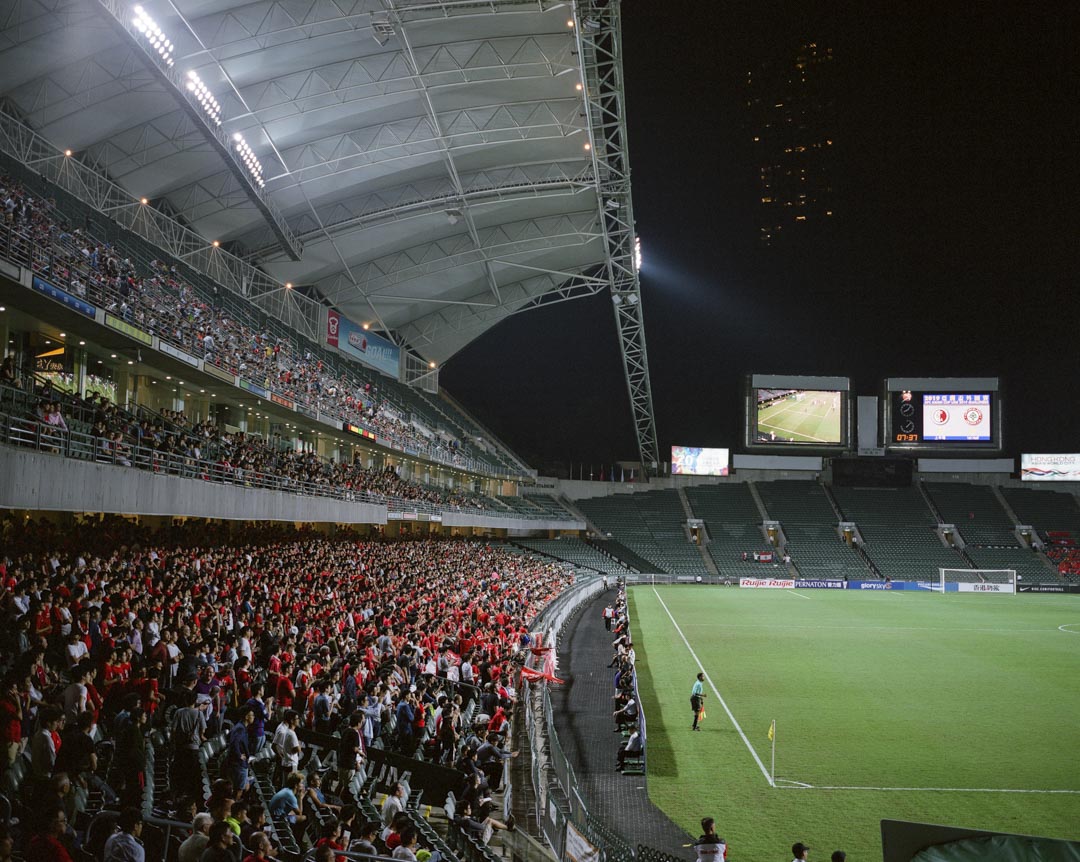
(161, 302)
(112, 630)
(175, 444)
(1063, 551)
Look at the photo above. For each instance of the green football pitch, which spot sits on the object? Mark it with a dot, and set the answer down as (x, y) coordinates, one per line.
(802, 421)
(953, 709)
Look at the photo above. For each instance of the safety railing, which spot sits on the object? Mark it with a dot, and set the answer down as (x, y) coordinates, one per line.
(559, 801)
(103, 449)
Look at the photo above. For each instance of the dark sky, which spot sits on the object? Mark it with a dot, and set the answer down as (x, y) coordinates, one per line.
(958, 237)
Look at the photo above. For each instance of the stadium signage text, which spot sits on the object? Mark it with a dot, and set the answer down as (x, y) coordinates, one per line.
(176, 353)
(1049, 588)
(806, 584)
(248, 386)
(282, 401)
(767, 583)
(121, 325)
(53, 292)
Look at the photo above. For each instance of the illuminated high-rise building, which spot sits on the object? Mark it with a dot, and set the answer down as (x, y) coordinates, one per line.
(792, 104)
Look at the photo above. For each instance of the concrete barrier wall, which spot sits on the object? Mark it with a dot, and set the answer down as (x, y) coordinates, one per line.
(35, 480)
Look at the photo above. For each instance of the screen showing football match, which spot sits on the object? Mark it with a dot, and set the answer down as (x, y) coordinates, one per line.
(957, 416)
(801, 416)
(696, 461)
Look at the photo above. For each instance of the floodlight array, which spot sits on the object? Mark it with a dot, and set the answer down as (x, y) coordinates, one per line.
(637, 253)
(152, 33)
(201, 93)
(251, 162)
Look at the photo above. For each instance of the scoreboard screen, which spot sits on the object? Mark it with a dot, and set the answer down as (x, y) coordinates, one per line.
(943, 419)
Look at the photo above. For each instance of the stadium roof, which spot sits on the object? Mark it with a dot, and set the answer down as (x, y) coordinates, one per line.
(427, 167)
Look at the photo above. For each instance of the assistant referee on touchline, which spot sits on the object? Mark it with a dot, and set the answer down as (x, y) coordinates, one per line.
(697, 698)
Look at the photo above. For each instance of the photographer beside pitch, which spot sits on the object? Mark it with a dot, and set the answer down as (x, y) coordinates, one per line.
(697, 698)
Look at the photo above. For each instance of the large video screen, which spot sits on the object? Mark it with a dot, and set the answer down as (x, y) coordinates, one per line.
(1050, 468)
(956, 416)
(812, 417)
(696, 461)
(943, 414)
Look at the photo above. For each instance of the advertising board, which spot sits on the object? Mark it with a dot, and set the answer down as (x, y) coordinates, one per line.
(767, 583)
(371, 349)
(1050, 468)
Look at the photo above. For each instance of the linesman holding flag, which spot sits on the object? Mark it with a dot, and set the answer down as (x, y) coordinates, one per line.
(697, 700)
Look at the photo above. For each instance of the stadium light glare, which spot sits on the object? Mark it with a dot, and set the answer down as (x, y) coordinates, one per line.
(570, 22)
(637, 253)
(148, 28)
(588, 146)
(67, 153)
(215, 243)
(579, 86)
(143, 201)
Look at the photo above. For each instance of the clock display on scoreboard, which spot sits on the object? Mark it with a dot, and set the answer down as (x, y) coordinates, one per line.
(942, 419)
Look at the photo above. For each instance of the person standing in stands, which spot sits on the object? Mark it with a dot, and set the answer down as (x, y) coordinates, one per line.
(697, 699)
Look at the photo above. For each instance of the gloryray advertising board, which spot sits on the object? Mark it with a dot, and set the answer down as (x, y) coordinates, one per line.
(371, 349)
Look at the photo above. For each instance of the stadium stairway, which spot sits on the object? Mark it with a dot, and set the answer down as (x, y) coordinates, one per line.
(809, 523)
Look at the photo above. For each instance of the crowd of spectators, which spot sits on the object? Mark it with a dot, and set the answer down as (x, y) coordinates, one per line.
(1062, 549)
(111, 630)
(170, 442)
(160, 301)
(627, 712)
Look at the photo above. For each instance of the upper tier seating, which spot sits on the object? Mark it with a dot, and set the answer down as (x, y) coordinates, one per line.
(809, 523)
(733, 522)
(651, 524)
(183, 306)
(975, 512)
(898, 529)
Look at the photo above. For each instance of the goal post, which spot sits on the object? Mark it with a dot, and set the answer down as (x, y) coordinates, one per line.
(977, 581)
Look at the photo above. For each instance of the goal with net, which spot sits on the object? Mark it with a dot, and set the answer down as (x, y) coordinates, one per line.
(977, 580)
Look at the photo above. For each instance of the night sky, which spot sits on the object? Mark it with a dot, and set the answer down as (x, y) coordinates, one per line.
(957, 251)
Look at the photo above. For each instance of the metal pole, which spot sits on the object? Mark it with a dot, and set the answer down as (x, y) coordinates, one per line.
(772, 771)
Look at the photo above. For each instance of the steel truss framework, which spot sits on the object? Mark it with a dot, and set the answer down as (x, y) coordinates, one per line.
(98, 191)
(542, 223)
(600, 41)
(236, 175)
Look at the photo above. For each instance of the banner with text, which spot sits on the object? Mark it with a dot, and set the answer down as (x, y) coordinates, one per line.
(920, 586)
(812, 584)
(767, 583)
(54, 292)
(979, 588)
(1050, 468)
(371, 349)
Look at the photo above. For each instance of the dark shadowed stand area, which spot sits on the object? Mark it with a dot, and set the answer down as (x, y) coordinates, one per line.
(583, 722)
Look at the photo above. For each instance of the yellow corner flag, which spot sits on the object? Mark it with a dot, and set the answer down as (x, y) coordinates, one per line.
(772, 730)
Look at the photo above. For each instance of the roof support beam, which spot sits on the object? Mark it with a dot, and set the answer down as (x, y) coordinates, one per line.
(599, 37)
(120, 18)
(448, 158)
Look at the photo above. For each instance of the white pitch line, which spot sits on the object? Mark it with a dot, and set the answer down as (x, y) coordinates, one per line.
(1065, 628)
(719, 697)
(797, 593)
(923, 789)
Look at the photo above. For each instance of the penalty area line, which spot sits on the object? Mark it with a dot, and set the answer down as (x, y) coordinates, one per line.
(719, 697)
(795, 785)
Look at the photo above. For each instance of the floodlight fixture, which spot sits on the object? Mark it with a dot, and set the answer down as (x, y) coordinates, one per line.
(151, 32)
